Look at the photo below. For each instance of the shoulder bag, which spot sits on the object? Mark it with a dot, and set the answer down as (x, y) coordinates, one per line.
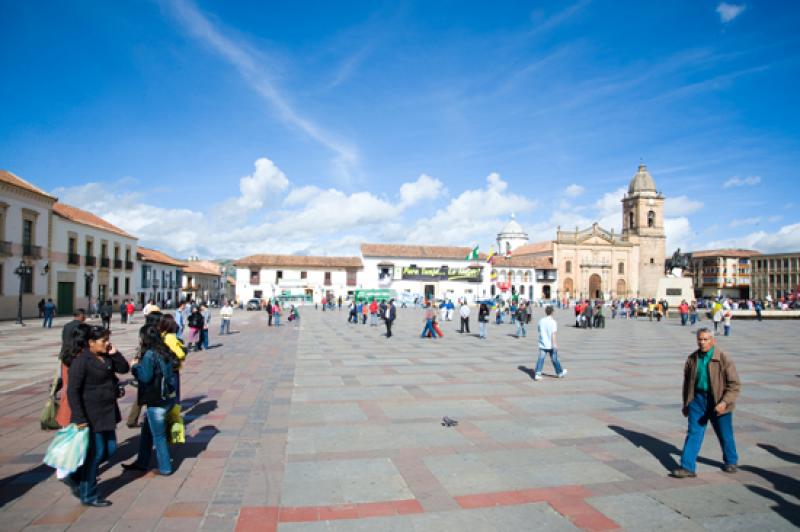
(47, 419)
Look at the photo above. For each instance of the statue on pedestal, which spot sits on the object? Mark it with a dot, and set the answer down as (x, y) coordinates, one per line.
(678, 263)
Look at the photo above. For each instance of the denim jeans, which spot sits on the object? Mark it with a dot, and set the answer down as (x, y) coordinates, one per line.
(225, 327)
(727, 329)
(154, 434)
(48, 322)
(693, 318)
(684, 318)
(428, 328)
(277, 318)
(204, 338)
(701, 410)
(553, 356)
(482, 329)
(373, 319)
(101, 446)
(521, 329)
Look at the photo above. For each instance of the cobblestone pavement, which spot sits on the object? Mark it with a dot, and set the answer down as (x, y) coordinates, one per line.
(330, 426)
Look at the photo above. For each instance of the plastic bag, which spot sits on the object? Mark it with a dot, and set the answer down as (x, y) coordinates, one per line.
(68, 449)
(176, 430)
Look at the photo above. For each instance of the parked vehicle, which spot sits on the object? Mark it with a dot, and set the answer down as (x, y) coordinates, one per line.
(254, 304)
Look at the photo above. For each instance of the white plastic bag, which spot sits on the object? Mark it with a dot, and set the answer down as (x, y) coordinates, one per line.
(68, 448)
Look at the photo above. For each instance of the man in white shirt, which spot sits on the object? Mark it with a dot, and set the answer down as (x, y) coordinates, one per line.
(225, 314)
(547, 328)
(464, 312)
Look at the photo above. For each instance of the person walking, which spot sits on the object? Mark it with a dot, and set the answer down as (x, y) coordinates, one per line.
(759, 308)
(268, 308)
(373, 313)
(195, 324)
(389, 316)
(716, 315)
(92, 394)
(428, 318)
(105, 314)
(364, 312)
(450, 309)
(464, 311)
(130, 308)
(123, 311)
(180, 318)
(40, 305)
(683, 310)
(483, 319)
(710, 388)
(548, 345)
(206, 321)
(225, 315)
(727, 316)
(155, 374)
(276, 313)
(48, 312)
(520, 321)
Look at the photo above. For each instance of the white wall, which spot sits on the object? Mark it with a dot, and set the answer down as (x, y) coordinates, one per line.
(292, 282)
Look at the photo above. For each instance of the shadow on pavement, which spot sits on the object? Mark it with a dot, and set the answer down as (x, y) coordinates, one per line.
(660, 449)
(527, 371)
(783, 455)
(198, 410)
(15, 486)
(784, 508)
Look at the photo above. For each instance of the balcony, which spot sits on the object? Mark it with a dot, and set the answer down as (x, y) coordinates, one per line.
(128, 265)
(104, 262)
(156, 283)
(90, 260)
(73, 259)
(145, 283)
(5, 248)
(117, 264)
(31, 251)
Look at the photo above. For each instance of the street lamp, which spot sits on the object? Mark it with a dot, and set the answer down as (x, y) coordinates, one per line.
(89, 276)
(23, 270)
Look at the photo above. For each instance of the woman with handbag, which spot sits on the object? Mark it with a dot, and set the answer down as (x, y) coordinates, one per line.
(195, 323)
(156, 377)
(92, 393)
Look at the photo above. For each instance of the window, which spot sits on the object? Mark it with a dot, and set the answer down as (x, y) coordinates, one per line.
(328, 279)
(652, 260)
(621, 268)
(27, 232)
(27, 282)
(278, 276)
(630, 220)
(304, 275)
(255, 277)
(116, 252)
(116, 286)
(104, 250)
(89, 248)
(568, 267)
(87, 287)
(127, 285)
(651, 219)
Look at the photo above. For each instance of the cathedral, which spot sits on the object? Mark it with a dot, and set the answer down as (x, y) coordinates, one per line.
(598, 263)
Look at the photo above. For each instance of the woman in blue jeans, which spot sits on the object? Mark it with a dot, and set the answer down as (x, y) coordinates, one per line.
(92, 396)
(154, 370)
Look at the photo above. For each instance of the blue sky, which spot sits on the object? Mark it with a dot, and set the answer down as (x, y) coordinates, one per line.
(229, 128)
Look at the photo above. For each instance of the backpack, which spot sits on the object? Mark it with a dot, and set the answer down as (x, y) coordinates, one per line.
(158, 391)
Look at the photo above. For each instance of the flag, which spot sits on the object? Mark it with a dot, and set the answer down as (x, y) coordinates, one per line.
(472, 255)
(491, 255)
(508, 253)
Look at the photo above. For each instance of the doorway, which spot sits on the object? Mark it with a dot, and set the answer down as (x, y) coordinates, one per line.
(66, 299)
(595, 288)
(546, 291)
(430, 292)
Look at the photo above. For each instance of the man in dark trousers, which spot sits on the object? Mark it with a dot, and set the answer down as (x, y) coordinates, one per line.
(269, 312)
(66, 333)
(390, 316)
(710, 388)
(123, 311)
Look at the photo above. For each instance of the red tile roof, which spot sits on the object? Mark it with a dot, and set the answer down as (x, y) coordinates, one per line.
(535, 248)
(298, 261)
(80, 216)
(203, 267)
(539, 263)
(12, 179)
(417, 251)
(152, 255)
(727, 253)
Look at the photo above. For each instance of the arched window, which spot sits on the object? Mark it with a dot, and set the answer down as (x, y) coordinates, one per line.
(630, 220)
(621, 268)
(652, 260)
(568, 266)
(651, 219)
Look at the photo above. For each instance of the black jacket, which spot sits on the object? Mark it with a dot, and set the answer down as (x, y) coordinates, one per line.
(92, 390)
(195, 320)
(391, 313)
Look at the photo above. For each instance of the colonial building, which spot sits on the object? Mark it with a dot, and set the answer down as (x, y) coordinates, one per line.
(160, 278)
(597, 263)
(24, 245)
(776, 275)
(91, 260)
(202, 281)
(722, 272)
(296, 278)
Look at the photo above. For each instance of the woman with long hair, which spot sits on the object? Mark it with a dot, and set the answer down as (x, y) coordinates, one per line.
(155, 375)
(92, 394)
(168, 328)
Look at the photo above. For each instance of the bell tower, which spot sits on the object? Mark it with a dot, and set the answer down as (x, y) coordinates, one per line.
(643, 224)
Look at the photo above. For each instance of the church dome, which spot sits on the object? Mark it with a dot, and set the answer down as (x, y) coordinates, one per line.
(642, 182)
(512, 230)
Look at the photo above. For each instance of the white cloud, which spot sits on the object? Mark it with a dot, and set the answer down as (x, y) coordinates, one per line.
(738, 222)
(574, 190)
(742, 181)
(678, 232)
(300, 195)
(681, 206)
(611, 202)
(727, 12)
(266, 180)
(787, 238)
(425, 187)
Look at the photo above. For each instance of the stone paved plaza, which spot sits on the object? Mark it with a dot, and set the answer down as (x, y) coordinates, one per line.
(330, 426)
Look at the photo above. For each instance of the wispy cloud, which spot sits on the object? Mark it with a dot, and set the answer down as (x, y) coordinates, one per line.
(742, 181)
(258, 78)
(574, 190)
(727, 12)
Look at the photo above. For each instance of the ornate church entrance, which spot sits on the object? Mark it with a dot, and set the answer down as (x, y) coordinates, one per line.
(595, 286)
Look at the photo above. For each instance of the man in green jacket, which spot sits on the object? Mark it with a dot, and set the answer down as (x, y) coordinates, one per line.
(710, 388)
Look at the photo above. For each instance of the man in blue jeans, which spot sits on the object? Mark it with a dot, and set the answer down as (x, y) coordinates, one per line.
(547, 329)
(49, 310)
(710, 388)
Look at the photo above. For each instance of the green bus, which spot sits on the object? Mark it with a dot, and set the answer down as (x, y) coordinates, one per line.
(378, 294)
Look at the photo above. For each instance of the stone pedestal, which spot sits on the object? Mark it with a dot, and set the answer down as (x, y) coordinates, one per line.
(675, 290)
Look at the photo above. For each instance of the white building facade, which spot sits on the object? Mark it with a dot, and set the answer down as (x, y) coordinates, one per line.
(91, 260)
(24, 240)
(160, 279)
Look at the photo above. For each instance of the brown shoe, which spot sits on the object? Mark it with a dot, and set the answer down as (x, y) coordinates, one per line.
(730, 468)
(683, 473)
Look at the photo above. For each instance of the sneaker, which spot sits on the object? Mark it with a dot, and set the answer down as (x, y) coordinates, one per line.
(730, 468)
(683, 473)
(563, 373)
(537, 376)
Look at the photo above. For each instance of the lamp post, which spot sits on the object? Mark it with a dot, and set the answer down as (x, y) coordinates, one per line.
(23, 270)
(89, 276)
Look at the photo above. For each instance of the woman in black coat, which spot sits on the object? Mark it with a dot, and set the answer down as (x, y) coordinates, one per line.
(92, 393)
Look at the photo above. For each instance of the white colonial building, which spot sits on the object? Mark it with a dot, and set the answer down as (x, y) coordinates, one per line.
(160, 278)
(24, 241)
(297, 278)
(202, 281)
(91, 260)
